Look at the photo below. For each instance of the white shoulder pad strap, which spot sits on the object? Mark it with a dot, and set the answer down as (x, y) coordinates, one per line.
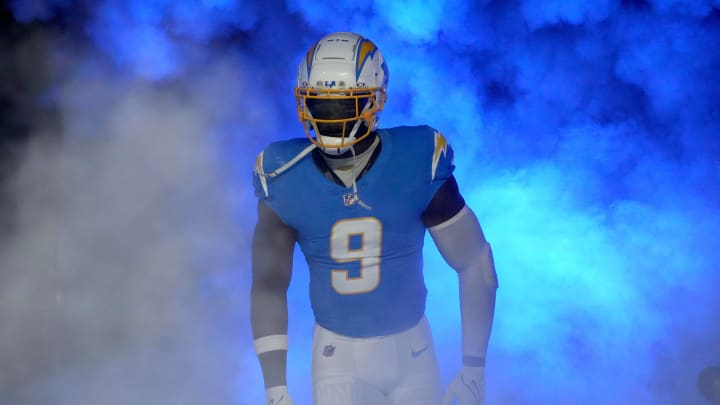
(259, 166)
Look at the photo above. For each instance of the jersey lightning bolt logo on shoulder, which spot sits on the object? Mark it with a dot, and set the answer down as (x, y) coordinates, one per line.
(440, 148)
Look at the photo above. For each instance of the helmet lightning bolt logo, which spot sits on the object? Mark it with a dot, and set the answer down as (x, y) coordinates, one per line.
(440, 148)
(365, 50)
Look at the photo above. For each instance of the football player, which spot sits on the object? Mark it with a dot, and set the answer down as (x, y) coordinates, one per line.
(358, 200)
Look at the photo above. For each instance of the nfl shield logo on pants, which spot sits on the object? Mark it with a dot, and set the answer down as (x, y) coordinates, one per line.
(329, 350)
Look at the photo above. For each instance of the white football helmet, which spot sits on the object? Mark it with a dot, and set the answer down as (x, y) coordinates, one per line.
(341, 89)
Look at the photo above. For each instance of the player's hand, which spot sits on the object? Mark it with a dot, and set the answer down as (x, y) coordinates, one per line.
(278, 396)
(468, 387)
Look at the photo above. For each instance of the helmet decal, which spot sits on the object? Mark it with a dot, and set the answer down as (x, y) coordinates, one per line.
(366, 50)
(309, 58)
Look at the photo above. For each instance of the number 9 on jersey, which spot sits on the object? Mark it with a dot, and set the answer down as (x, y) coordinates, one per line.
(351, 240)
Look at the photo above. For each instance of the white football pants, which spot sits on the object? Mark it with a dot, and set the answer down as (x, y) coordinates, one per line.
(398, 369)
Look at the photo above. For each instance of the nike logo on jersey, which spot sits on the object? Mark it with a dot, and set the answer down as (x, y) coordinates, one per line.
(415, 354)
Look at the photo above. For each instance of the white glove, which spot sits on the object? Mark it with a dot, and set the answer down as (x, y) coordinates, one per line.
(468, 387)
(278, 396)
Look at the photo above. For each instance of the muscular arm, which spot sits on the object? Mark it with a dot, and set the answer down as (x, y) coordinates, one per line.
(272, 253)
(460, 239)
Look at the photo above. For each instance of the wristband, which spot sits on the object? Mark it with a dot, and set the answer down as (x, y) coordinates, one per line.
(277, 390)
(473, 361)
(271, 343)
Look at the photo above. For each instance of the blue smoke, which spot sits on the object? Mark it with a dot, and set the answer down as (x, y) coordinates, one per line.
(587, 138)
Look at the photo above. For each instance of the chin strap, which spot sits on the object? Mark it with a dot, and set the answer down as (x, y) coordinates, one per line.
(355, 127)
(359, 122)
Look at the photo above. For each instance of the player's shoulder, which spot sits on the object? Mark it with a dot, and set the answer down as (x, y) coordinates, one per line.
(409, 133)
(277, 157)
(424, 145)
(416, 138)
(277, 153)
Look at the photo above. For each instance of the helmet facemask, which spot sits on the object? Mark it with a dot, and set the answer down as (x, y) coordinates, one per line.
(338, 118)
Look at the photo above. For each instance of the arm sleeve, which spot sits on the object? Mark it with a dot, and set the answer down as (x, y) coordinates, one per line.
(462, 244)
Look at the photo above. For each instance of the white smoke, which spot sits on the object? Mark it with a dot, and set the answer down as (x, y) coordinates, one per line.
(117, 219)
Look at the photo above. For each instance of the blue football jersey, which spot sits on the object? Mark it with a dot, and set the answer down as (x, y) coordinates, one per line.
(365, 264)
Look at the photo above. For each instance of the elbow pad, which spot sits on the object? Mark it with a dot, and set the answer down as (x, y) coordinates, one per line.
(462, 244)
